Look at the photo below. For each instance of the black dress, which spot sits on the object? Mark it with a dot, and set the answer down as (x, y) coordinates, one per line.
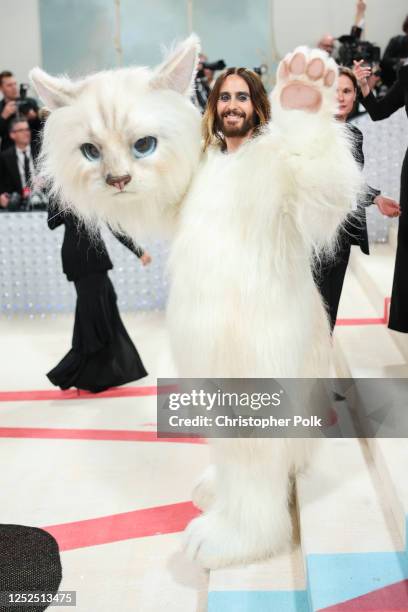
(102, 353)
(329, 273)
(396, 98)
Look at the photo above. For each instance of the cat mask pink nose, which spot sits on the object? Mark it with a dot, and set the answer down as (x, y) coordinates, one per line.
(119, 182)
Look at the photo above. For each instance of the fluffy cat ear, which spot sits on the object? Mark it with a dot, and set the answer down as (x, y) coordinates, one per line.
(54, 91)
(178, 70)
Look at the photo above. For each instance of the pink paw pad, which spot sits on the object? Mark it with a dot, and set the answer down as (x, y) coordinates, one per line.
(298, 64)
(329, 78)
(297, 96)
(302, 91)
(315, 69)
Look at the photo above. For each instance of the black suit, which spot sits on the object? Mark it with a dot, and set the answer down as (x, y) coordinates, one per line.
(396, 98)
(10, 180)
(82, 255)
(329, 273)
(396, 49)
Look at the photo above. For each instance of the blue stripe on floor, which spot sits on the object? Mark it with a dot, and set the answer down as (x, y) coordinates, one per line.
(258, 601)
(406, 534)
(333, 579)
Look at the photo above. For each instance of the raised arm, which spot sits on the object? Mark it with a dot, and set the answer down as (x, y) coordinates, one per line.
(382, 108)
(358, 25)
(323, 177)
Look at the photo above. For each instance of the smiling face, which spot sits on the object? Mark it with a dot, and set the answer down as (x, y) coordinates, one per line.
(235, 110)
(346, 96)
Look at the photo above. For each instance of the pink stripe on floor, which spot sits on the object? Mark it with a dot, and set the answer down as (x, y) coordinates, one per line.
(70, 394)
(121, 435)
(125, 526)
(367, 321)
(352, 322)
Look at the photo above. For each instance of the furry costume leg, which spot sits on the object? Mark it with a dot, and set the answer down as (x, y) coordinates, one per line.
(249, 518)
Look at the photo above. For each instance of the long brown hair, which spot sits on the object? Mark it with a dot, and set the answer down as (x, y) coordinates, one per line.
(262, 108)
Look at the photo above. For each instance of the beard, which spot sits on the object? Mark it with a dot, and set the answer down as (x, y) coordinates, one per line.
(235, 131)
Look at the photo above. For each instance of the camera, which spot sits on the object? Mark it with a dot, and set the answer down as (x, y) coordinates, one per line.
(218, 65)
(353, 48)
(261, 70)
(24, 104)
(202, 88)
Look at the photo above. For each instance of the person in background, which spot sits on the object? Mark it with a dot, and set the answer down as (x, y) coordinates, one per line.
(208, 72)
(329, 273)
(12, 107)
(16, 162)
(102, 353)
(204, 80)
(395, 52)
(396, 98)
(327, 42)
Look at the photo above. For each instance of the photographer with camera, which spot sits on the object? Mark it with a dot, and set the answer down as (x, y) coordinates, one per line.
(16, 166)
(204, 79)
(353, 48)
(327, 42)
(16, 105)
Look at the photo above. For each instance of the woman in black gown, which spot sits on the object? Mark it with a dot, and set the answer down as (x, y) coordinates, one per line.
(102, 353)
(397, 97)
(329, 273)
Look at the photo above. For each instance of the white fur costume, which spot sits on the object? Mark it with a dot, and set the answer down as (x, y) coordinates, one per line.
(242, 302)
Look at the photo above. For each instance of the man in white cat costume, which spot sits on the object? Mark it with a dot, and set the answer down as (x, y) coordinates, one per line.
(124, 146)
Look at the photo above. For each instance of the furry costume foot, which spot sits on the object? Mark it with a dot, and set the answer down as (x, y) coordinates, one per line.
(214, 541)
(204, 491)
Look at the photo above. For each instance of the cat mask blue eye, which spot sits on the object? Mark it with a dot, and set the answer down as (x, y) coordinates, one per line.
(90, 151)
(144, 146)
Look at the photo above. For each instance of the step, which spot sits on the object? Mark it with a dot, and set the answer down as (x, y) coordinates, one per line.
(276, 584)
(354, 302)
(375, 351)
(356, 346)
(393, 236)
(350, 540)
(374, 272)
(360, 355)
(391, 459)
